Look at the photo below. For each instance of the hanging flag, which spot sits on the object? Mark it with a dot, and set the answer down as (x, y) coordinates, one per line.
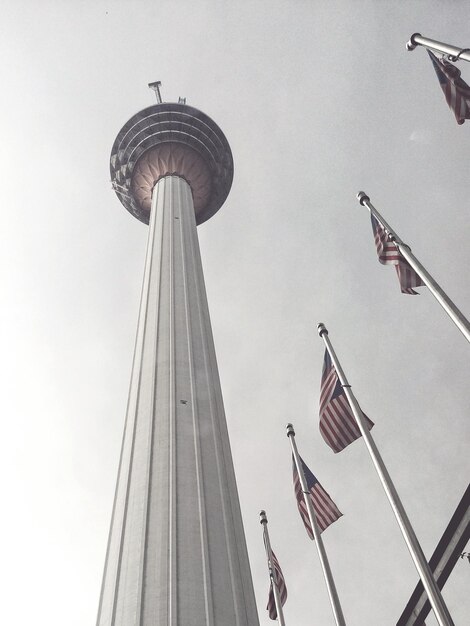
(281, 587)
(326, 511)
(338, 425)
(456, 90)
(390, 255)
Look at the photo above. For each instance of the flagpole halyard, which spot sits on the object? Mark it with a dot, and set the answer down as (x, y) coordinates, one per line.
(330, 583)
(435, 598)
(271, 568)
(453, 51)
(447, 304)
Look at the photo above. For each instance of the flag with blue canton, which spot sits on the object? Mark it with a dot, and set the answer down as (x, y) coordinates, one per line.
(326, 511)
(389, 254)
(456, 90)
(338, 425)
(277, 578)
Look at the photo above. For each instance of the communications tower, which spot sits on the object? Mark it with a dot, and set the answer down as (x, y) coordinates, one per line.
(176, 552)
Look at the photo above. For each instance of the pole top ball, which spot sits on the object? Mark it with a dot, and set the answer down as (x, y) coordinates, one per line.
(362, 197)
(290, 430)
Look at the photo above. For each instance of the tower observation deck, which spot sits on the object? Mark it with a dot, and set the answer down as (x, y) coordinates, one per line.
(176, 552)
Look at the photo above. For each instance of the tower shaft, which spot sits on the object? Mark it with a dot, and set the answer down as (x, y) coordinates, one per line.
(176, 551)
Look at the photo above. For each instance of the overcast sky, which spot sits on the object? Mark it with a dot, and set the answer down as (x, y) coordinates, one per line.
(318, 100)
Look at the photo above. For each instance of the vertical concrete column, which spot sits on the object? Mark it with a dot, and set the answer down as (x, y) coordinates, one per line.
(176, 552)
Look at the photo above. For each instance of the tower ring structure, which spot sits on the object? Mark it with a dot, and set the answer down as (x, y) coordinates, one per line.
(171, 139)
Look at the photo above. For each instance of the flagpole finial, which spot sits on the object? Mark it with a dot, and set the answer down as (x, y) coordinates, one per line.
(411, 45)
(322, 329)
(290, 430)
(362, 197)
(262, 517)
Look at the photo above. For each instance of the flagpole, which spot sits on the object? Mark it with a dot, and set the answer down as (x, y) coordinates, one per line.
(449, 307)
(435, 598)
(330, 583)
(453, 51)
(271, 568)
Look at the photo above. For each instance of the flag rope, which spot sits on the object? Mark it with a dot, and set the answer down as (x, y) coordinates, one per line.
(457, 58)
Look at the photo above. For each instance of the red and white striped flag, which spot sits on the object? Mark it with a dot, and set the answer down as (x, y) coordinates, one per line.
(281, 587)
(456, 90)
(338, 425)
(326, 511)
(389, 254)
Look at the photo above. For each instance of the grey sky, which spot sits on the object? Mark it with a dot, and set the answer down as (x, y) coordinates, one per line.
(318, 100)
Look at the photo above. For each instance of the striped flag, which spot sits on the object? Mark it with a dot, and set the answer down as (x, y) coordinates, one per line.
(281, 587)
(326, 511)
(338, 425)
(390, 255)
(456, 90)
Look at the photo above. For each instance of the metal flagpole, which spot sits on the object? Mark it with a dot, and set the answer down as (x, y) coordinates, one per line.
(271, 568)
(435, 598)
(454, 53)
(330, 583)
(449, 307)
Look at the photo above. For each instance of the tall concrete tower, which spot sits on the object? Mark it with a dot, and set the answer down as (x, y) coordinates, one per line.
(176, 552)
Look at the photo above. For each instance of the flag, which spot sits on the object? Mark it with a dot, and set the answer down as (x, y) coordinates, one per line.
(338, 425)
(390, 255)
(326, 511)
(281, 587)
(456, 90)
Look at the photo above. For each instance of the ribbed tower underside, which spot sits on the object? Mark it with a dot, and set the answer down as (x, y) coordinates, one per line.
(176, 554)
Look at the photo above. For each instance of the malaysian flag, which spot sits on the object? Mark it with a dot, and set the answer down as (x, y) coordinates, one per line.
(281, 587)
(338, 425)
(456, 90)
(326, 511)
(390, 255)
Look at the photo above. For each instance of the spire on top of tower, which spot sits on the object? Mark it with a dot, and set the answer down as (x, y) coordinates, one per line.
(156, 88)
